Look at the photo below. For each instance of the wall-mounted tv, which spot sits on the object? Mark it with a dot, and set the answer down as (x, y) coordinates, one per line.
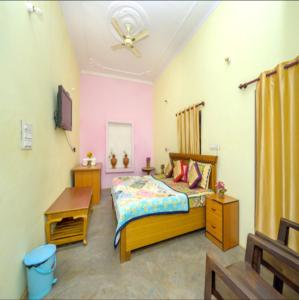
(63, 114)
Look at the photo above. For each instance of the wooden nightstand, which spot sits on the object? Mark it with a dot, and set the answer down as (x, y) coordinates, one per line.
(89, 176)
(222, 221)
(148, 170)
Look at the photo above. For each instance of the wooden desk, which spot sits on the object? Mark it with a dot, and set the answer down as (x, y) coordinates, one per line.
(67, 217)
(89, 176)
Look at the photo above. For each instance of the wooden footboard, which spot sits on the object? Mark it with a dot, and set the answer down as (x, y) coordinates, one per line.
(153, 229)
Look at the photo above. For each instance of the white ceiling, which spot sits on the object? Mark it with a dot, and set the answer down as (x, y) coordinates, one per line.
(170, 23)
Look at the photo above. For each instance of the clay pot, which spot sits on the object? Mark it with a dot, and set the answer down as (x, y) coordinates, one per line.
(113, 161)
(126, 161)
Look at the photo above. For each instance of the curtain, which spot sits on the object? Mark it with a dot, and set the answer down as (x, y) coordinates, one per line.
(189, 131)
(277, 151)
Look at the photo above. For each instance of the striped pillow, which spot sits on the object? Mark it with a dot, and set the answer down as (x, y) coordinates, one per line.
(194, 175)
(205, 170)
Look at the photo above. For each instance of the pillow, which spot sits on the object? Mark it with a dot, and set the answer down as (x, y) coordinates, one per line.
(185, 172)
(205, 170)
(194, 175)
(177, 170)
(168, 170)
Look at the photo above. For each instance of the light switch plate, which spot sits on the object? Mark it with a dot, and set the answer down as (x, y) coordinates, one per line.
(26, 135)
(215, 147)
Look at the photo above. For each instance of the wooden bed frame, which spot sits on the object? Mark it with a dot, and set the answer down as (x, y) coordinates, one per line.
(152, 229)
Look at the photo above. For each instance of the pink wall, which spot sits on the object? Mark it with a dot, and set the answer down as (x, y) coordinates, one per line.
(108, 99)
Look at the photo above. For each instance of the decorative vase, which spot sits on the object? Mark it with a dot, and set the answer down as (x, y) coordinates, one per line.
(221, 194)
(126, 160)
(89, 163)
(113, 161)
(148, 162)
(162, 168)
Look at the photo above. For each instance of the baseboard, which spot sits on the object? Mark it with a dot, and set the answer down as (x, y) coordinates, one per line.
(25, 294)
(106, 192)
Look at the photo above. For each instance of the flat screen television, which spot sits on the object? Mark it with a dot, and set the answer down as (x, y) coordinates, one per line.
(63, 114)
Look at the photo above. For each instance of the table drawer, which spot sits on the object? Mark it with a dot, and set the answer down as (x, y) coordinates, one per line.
(214, 207)
(214, 225)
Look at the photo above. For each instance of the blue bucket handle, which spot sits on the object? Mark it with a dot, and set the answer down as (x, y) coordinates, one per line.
(43, 272)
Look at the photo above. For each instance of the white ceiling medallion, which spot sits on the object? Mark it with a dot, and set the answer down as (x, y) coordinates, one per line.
(170, 24)
(127, 12)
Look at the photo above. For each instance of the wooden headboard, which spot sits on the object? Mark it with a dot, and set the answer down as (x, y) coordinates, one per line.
(208, 159)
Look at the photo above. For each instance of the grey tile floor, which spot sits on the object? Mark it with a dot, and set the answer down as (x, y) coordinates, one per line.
(172, 269)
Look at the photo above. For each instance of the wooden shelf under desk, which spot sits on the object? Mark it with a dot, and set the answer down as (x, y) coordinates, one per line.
(67, 228)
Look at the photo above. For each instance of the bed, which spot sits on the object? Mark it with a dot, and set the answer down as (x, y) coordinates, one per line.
(150, 229)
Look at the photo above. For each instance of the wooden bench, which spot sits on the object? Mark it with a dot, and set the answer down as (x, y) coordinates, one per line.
(283, 274)
(67, 218)
(243, 278)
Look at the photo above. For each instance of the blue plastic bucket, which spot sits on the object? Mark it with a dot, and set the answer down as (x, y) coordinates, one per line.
(40, 264)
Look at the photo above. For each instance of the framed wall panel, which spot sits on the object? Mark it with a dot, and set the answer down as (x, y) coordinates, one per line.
(119, 140)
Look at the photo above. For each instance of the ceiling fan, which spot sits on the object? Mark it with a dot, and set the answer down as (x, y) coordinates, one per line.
(128, 40)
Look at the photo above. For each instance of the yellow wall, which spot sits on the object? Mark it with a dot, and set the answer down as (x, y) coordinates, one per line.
(256, 36)
(35, 56)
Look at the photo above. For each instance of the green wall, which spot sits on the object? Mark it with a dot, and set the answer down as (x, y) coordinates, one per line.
(256, 36)
(35, 56)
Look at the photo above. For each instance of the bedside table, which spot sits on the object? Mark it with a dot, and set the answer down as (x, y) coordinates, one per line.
(89, 176)
(148, 170)
(222, 221)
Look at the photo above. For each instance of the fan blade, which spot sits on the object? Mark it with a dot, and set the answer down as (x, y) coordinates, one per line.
(117, 28)
(135, 51)
(117, 46)
(140, 36)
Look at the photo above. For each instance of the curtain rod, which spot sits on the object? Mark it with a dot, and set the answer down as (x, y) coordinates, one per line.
(244, 85)
(196, 105)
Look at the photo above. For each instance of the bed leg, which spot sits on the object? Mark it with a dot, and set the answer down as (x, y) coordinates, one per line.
(124, 254)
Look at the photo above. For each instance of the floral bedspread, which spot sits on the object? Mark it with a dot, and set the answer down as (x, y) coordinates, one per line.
(135, 197)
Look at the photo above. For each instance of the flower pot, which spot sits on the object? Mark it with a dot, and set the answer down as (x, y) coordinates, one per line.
(221, 194)
(113, 161)
(126, 161)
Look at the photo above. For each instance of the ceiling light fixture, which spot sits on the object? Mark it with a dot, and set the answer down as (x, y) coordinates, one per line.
(128, 39)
